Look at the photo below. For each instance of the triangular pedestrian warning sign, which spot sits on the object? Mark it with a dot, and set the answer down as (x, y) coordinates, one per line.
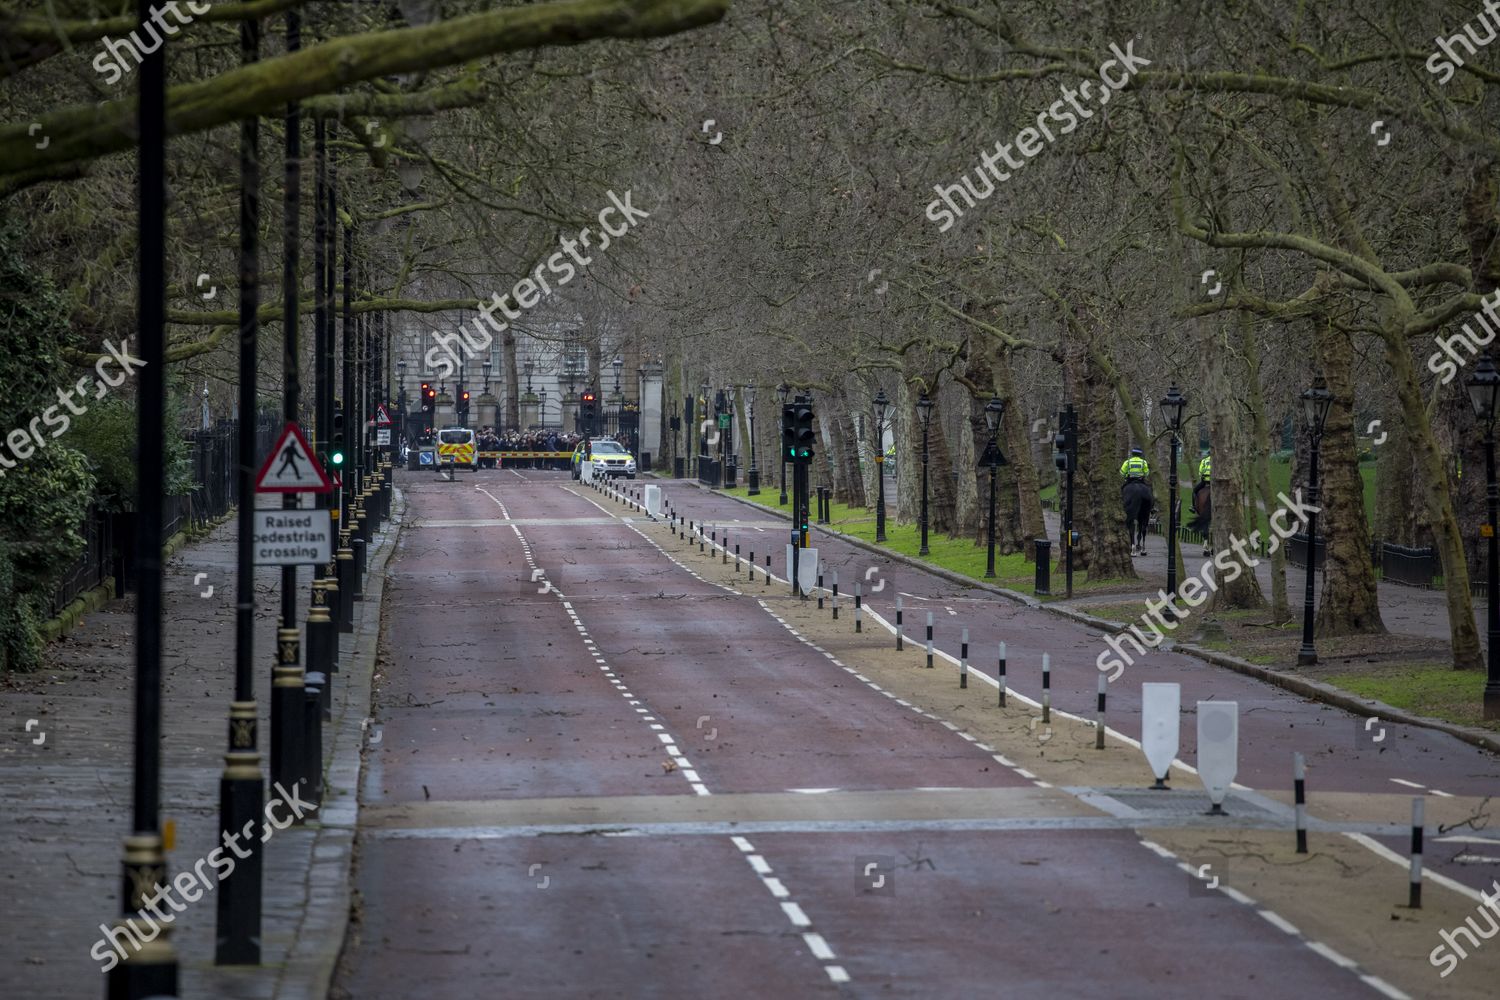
(291, 467)
(382, 416)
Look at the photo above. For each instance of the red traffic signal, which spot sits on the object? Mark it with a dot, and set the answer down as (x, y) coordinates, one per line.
(588, 397)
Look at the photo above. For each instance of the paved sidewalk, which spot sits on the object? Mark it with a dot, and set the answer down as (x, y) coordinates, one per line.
(1412, 611)
(68, 798)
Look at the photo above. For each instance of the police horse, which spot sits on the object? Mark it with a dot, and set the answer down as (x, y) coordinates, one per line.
(1136, 494)
(1203, 511)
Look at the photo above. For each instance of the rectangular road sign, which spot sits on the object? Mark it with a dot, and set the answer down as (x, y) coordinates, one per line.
(292, 537)
(382, 436)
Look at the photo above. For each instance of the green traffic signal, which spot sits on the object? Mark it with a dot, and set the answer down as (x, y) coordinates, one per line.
(337, 458)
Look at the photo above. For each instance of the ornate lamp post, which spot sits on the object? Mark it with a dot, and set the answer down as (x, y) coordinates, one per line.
(994, 412)
(880, 407)
(1171, 407)
(1484, 388)
(782, 392)
(1316, 403)
(754, 485)
(924, 413)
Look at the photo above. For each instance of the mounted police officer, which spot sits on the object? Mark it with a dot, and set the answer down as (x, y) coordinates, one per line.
(1135, 494)
(1135, 467)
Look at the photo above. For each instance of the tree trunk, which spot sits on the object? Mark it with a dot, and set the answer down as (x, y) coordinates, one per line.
(1018, 438)
(1261, 466)
(853, 486)
(1437, 501)
(1350, 603)
(1222, 383)
(1104, 545)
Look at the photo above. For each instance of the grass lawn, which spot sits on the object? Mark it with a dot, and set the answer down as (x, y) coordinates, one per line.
(1435, 690)
(958, 555)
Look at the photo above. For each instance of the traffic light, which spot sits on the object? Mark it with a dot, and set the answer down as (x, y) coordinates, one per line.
(1064, 445)
(788, 438)
(463, 408)
(586, 412)
(802, 431)
(336, 438)
(429, 399)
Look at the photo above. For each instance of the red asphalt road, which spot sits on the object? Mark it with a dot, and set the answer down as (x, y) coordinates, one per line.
(1342, 754)
(489, 691)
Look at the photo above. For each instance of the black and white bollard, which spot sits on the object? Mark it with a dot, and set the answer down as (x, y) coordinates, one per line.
(1414, 899)
(737, 557)
(929, 640)
(1099, 728)
(820, 590)
(1000, 674)
(858, 606)
(898, 622)
(1046, 688)
(1299, 783)
(724, 557)
(835, 604)
(963, 660)
(768, 571)
(752, 565)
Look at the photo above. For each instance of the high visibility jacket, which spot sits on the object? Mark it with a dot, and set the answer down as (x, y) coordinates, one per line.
(1206, 467)
(1134, 467)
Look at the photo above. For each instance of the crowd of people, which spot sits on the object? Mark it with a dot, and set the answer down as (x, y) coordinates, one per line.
(551, 441)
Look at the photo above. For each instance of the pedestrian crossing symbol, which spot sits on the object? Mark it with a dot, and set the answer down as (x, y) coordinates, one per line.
(291, 468)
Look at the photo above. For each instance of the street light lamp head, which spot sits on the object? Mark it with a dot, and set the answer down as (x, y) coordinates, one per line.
(881, 402)
(1172, 405)
(994, 410)
(1484, 388)
(782, 392)
(924, 409)
(1316, 402)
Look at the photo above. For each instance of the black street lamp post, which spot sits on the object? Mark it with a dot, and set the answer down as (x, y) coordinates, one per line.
(880, 407)
(754, 484)
(994, 412)
(1484, 387)
(1172, 405)
(782, 392)
(1315, 403)
(924, 412)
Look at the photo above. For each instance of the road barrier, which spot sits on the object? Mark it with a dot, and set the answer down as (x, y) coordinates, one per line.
(929, 640)
(1099, 726)
(1000, 674)
(1299, 792)
(963, 660)
(1414, 893)
(1046, 687)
